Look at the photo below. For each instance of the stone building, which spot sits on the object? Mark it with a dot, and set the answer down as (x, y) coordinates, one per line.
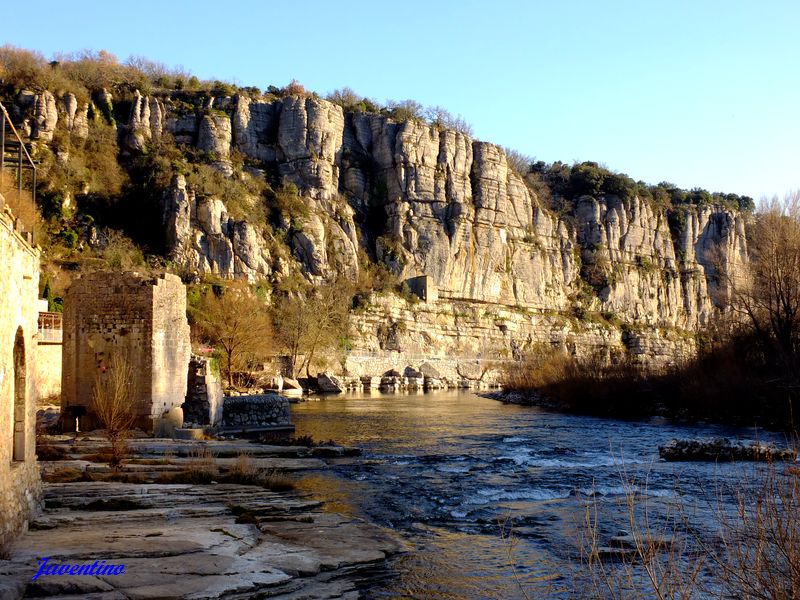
(424, 287)
(20, 488)
(143, 320)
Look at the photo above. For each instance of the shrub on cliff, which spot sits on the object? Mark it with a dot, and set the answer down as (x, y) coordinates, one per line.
(88, 71)
(518, 162)
(405, 110)
(349, 100)
(441, 118)
(294, 88)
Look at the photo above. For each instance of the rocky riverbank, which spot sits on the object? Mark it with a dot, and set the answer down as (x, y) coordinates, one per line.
(172, 516)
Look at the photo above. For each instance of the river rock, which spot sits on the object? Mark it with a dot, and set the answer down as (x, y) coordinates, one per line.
(370, 383)
(329, 384)
(291, 384)
(412, 372)
(428, 370)
(722, 449)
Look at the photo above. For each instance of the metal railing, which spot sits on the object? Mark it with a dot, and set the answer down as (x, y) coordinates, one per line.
(11, 143)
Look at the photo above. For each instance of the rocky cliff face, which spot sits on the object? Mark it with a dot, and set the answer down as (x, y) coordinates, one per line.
(204, 239)
(437, 203)
(424, 201)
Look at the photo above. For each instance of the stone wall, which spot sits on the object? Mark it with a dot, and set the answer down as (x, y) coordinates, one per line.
(203, 405)
(256, 412)
(141, 318)
(48, 369)
(20, 488)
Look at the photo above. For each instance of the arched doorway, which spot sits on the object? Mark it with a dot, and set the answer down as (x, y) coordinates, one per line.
(19, 396)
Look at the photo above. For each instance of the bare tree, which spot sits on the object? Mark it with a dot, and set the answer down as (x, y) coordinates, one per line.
(769, 292)
(238, 324)
(315, 322)
(113, 395)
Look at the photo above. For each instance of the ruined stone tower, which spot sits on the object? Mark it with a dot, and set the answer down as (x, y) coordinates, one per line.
(143, 319)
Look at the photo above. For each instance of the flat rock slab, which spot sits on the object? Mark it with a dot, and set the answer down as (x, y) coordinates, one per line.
(149, 469)
(193, 541)
(170, 447)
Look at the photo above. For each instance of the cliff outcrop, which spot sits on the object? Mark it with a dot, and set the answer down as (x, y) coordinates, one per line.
(451, 208)
(424, 201)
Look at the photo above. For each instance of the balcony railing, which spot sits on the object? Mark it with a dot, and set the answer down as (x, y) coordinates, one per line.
(51, 327)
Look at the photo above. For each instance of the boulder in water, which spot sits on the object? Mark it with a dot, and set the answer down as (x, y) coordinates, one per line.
(722, 449)
(329, 384)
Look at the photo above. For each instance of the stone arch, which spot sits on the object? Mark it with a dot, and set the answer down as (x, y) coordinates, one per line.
(20, 395)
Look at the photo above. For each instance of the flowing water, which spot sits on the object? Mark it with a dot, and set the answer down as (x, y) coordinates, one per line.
(493, 497)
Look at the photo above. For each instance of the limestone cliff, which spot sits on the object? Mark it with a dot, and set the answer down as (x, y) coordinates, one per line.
(425, 201)
(449, 207)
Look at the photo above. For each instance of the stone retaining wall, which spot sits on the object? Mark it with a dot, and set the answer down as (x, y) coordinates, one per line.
(250, 412)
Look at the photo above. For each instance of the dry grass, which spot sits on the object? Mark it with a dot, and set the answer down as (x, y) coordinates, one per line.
(658, 559)
(587, 385)
(203, 468)
(245, 472)
(726, 381)
(104, 455)
(67, 475)
(45, 450)
(759, 554)
(754, 555)
(20, 205)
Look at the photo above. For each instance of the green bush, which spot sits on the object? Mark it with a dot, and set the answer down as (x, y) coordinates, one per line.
(586, 179)
(69, 238)
(644, 263)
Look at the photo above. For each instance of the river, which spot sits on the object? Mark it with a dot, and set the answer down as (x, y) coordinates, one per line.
(453, 473)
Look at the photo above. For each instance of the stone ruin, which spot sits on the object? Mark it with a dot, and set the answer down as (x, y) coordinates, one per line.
(204, 398)
(424, 287)
(143, 319)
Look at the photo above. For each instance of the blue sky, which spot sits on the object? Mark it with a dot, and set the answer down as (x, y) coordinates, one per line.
(701, 93)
